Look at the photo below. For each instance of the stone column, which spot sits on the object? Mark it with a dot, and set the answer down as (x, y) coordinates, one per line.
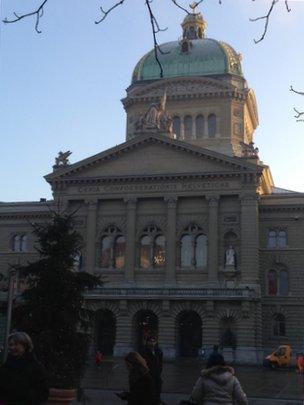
(213, 202)
(91, 235)
(171, 240)
(166, 335)
(249, 238)
(130, 239)
(123, 338)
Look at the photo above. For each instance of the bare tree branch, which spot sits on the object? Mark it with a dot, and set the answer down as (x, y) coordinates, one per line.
(295, 91)
(300, 113)
(287, 6)
(179, 6)
(38, 13)
(106, 12)
(267, 17)
(155, 30)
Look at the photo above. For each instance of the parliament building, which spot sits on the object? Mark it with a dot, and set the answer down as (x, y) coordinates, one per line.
(194, 242)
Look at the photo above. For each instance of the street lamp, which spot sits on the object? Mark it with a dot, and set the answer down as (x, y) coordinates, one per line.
(12, 273)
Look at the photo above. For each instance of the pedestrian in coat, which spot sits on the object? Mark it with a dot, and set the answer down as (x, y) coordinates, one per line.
(154, 359)
(22, 378)
(141, 387)
(98, 358)
(217, 384)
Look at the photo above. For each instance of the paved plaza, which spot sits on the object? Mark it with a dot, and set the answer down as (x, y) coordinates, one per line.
(269, 387)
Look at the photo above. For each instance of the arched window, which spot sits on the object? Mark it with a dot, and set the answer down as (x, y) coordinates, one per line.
(106, 251)
(152, 248)
(201, 251)
(278, 283)
(119, 252)
(113, 248)
(177, 126)
(283, 283)
(159, 257)
(277, 239)
(23, 243)
(279, 327)
(282, 239)
(20, 243)
(188, 127)
(186, 251)
(200, 126)
(16, 243)
(145, 252)
(193, 247)
(272, 239)
(211, 125)
(272, 282)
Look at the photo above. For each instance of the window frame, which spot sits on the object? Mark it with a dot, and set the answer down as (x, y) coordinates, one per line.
(193, 231)
(112, 233)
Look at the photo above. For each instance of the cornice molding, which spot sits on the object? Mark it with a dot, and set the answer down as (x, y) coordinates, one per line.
(280, 208)
(114, 153)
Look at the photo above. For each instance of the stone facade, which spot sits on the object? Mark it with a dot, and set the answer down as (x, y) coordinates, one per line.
(159, 214)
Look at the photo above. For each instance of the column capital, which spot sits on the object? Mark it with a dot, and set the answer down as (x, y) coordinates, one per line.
(213, 200)
(131, 202)
(91, 202)
(249, 199)
(171, 201)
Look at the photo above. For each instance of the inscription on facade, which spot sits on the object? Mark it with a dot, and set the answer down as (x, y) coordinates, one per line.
(113, 188)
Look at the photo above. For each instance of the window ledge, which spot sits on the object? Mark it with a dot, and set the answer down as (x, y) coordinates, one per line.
(108, 270)
(192, 270)
(139, 270)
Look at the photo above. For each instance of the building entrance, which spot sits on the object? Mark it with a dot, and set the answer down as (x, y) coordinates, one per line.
(145, 324)
(105, 332)
(189, 334)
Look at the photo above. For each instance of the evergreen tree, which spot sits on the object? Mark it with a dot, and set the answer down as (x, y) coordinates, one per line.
(52, 309)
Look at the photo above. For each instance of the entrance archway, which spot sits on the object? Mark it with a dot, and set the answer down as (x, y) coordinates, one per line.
(145, 324)
(105, 332)
(189, 334)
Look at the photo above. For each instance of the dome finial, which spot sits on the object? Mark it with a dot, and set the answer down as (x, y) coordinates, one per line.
(194, 25)
(193, 6)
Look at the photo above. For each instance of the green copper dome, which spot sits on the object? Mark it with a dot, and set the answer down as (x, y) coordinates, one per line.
(189, 57)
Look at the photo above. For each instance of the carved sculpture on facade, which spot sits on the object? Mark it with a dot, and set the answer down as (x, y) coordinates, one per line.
(62, 159)
(230, 257)
(156, 119)
(248, 150)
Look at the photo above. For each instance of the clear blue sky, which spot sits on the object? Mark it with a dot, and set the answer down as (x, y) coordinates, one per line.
(61, 89)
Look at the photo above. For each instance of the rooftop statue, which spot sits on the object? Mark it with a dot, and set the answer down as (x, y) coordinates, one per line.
(155, 118)
(62, 159)
(249, 150)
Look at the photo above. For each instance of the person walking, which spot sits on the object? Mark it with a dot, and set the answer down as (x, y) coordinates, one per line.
(98, 358)
(217, 384)
(141, 386)
(23, 380)
(154, 359)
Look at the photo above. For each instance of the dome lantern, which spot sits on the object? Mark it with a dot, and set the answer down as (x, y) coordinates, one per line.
(194, 25)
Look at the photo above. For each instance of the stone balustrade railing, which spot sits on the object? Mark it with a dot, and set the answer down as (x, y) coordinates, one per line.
(172, 293)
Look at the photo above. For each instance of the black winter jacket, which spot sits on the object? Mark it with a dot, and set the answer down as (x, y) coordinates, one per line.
(23, 381)
(141, 389)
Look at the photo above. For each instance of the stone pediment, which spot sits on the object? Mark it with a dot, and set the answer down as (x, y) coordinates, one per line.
(151, 156)
(179, 87)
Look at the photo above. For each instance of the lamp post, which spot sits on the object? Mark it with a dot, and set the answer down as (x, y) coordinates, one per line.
(10, 297)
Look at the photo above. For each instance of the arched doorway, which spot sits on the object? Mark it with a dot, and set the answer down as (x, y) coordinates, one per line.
(189, 334)
(105, 332)
(145, 324)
